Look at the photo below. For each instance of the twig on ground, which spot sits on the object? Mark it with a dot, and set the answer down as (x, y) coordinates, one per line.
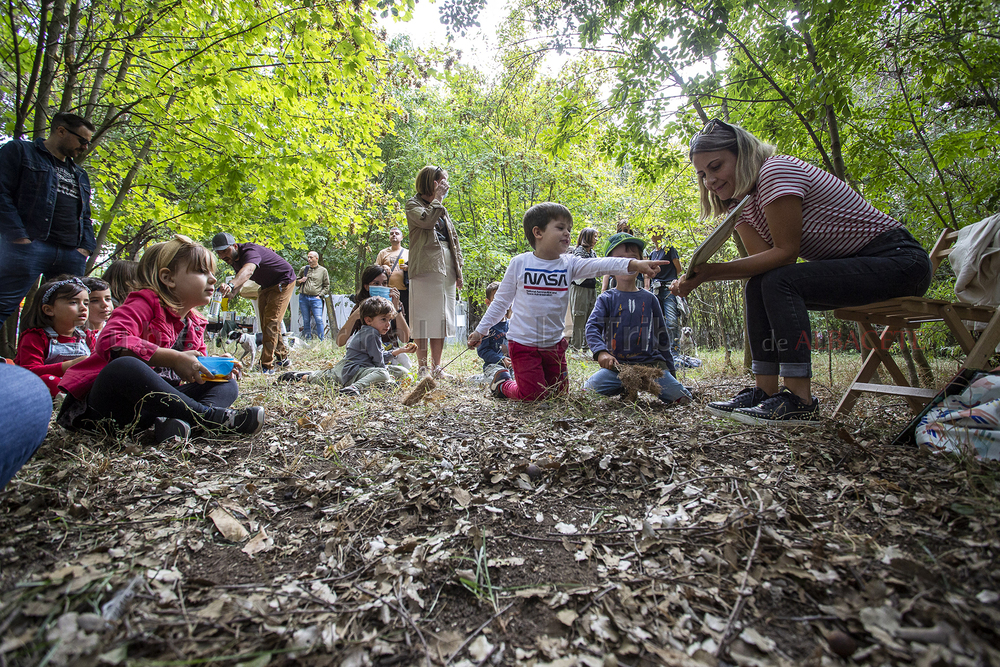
(742, 594)
(476, 632)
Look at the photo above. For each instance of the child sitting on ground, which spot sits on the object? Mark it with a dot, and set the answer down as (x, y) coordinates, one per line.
(145, 370)
(537, 283)
(54, 340)
(627, 327)
(493, 349)
(99, 306)
(399, 330)
(367, 362)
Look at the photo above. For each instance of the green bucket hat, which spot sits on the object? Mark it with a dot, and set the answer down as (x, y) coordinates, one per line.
(620, 238)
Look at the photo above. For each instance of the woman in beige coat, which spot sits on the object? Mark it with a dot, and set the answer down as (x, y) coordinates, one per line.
(435, 268)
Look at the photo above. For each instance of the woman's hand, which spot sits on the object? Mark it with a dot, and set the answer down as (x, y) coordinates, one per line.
(441, 189)
(458, 282)
(394, 296)
(683, 286)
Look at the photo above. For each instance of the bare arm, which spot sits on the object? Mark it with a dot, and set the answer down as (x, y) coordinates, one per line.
(345, 331)
(784, 220)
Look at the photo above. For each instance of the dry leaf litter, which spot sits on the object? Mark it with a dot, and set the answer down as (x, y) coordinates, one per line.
(469, 531)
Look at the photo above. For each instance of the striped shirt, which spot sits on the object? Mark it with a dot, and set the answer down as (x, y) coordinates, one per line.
(836, 221)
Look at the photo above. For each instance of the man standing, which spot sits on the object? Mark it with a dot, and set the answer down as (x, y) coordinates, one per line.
(276, 278)
(44, 209)
(660, 286)
(396, 258)
(314, 285)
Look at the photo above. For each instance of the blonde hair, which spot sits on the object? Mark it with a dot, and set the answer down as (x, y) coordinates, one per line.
(174, 254)
(426, 178)
(750, 154)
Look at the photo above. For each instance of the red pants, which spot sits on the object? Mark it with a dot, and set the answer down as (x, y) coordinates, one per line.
(540, 371)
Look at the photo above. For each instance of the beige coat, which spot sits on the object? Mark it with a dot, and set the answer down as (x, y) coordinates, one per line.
(426, 250)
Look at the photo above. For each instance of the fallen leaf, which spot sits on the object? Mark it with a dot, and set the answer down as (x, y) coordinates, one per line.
(260, 542)
(227, 524)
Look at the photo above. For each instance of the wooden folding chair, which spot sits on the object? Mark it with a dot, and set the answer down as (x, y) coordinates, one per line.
(908, 313)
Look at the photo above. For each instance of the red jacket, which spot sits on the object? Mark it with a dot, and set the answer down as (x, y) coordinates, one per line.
(33, 352)
(141, 325)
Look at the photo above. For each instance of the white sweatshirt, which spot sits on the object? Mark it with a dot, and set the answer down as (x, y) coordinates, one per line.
(539, 291)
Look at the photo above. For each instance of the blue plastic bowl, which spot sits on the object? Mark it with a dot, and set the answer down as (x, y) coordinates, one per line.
(218, 366)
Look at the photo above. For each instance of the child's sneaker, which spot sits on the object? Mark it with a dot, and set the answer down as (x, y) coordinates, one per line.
(350, 390)
(248, 421)
(781, 409)
(496, 387)
(292, 376)
(166, 428)
(747, 398)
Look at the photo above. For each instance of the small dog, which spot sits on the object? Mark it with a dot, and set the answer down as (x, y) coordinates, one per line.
(687, 342)
(249, 343)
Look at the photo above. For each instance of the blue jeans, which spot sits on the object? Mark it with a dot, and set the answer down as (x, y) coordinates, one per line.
(24, 420)
(606, 383)
(311, 308)
(778, 301)
(668, 304)
(21, 264)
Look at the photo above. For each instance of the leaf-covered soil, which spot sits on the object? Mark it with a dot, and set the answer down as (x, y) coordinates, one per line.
(470, 531)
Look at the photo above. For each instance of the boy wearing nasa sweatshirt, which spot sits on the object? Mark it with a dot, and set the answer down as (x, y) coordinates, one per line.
(537, 285)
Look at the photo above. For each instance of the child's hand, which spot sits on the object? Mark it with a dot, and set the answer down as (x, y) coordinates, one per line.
(72, 362)
(507, 362)
(475, 338)
(410, 348)
(606, 360)
(188, 368)
(648, 267)
(237, 371)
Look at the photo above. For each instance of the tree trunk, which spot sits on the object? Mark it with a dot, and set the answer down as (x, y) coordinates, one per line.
(924, 370)
(911, 370)
(48, 75)
(29, 91)
(123, 190)
(69, 58)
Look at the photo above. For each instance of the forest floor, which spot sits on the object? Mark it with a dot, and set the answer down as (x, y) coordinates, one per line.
(469, 531)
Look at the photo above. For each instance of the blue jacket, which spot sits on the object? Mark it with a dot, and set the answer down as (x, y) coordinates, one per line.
(630, 326)
(28, 184)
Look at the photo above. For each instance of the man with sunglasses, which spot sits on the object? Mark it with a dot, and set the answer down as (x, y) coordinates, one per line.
(45, 226)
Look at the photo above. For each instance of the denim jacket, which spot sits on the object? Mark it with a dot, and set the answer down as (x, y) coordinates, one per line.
(28, 189)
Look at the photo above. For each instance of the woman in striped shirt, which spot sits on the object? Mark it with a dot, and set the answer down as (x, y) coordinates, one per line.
(855, 255)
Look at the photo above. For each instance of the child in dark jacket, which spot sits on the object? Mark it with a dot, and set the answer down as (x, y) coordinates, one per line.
(627, 327)
(493, 349)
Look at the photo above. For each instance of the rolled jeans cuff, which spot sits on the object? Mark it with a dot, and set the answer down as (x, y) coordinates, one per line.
(764, 367)
(799, 370)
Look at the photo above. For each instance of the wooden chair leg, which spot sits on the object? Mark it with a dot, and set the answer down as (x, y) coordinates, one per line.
(867, 371)
(985, 346)
(878, 355)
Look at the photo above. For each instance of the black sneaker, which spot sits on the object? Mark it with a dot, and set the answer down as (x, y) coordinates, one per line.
(292, 376)
(248, 421)
(496, 387)
(350, 390)
(164, 429)
(747, 398)
(782, 408)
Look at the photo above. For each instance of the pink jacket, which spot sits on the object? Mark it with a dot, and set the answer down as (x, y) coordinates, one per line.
(141, 326)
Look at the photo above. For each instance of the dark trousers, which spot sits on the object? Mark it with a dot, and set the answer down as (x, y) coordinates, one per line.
(778, 301)
(21, 264)
(132, 394)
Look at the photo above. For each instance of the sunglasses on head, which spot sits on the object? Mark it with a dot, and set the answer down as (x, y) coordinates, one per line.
(710, 127)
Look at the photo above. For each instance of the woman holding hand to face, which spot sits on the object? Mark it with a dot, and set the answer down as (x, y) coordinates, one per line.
(435, 268)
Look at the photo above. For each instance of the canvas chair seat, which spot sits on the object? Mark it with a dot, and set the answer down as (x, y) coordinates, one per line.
(909, 313)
